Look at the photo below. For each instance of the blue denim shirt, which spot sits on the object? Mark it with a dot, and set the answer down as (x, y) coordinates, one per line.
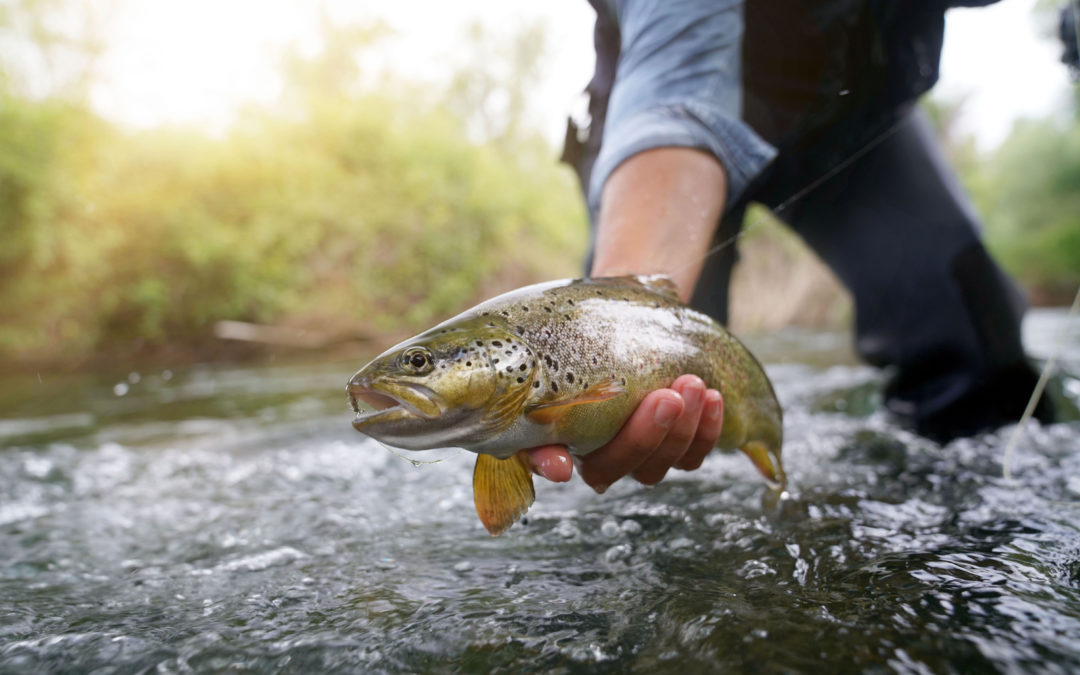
(678, 83)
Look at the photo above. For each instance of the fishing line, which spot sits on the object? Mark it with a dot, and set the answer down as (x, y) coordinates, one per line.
(1044, 377)
(416, 462)
(799, 194)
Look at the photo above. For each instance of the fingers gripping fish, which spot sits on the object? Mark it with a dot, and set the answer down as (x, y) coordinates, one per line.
(564, 362)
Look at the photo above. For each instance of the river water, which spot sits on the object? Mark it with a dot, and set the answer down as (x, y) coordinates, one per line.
(230, 519)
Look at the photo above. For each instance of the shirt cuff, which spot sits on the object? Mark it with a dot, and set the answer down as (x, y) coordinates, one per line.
(687, 124)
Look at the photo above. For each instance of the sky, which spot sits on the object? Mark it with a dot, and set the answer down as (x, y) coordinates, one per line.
(197, 61)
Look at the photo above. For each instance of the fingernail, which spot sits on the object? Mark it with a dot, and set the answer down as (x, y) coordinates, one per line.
(712, 408)
(551, 466)
(692, 396)
(666, 412)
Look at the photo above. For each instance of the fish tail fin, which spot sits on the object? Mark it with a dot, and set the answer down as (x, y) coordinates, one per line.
(502, 491)
(768, 463)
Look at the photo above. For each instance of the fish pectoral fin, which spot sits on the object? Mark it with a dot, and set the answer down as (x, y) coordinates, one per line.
(552, 411)
(502, 490)
(767, 463)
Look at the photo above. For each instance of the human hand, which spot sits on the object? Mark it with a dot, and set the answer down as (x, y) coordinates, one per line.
(674, 427)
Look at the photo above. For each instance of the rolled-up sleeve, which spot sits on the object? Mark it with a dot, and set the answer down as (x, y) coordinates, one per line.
(678, 83)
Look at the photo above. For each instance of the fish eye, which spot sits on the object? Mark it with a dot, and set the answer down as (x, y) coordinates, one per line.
(417, 361)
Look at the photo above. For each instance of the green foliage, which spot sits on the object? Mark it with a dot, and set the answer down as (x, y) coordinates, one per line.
(1032, 205)
(348, 207)
(1026, 193)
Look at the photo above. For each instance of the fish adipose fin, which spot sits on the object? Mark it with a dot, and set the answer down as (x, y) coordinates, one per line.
(660, 283)
(767, 463)
(502, 490)
(552, 411)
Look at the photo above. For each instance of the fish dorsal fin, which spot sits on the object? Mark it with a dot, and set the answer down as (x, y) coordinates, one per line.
(502, 491)
(549, 412)
(661, 283)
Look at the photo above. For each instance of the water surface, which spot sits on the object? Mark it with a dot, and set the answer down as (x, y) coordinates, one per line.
(220, 519)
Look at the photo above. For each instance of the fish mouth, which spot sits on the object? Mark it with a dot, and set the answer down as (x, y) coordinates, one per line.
(390, 401)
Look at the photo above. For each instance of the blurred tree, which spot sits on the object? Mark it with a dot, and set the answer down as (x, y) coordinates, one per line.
(490, 90)
(358, 203)
(50, 47)
(1033, 205)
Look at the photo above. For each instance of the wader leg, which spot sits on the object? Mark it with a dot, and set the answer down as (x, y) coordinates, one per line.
(897, 229)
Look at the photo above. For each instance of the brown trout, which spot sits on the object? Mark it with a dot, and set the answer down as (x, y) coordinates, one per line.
(562, 362)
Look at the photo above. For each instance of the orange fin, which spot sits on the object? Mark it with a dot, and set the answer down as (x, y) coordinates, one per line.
(502, 490)
(552, 411)
(767, 463)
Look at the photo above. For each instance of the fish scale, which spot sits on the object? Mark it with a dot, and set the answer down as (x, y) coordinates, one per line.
(564, 362)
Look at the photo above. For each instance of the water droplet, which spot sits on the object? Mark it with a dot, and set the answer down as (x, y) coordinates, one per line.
(120, 388)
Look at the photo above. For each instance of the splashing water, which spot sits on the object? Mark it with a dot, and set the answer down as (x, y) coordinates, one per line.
(231, 519)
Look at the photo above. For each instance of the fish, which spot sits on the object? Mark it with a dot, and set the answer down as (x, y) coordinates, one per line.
(562, 362)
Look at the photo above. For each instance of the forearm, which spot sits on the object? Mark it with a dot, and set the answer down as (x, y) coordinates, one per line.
(658, 212)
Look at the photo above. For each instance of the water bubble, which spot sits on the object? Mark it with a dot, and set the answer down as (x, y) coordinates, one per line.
(120, 388)
(134, 378)
(166, 375)
(1072, 484)
(610, 529)
(617, 553)
(567, 530)
(680, 543)
(631, 527)
(463, 566)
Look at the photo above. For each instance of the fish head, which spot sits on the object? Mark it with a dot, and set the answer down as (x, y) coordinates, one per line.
(453, 385)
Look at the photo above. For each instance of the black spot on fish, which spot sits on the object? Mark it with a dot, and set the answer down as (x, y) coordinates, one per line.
(547, 309)
(566, 316)
(514, 347)
(571, 302)
(536, 384)
(570, 378)
(555, 365)
(547, 360)
(495, 361)
(479, 344)
(468, 364)
(496, 343)
(519, 329)
(524, 308)
(623, 382)
(509, 369)
(521, 367)
(554, 386)
(505, 313)
(484, 313)
(594, 360)
(520, 380)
